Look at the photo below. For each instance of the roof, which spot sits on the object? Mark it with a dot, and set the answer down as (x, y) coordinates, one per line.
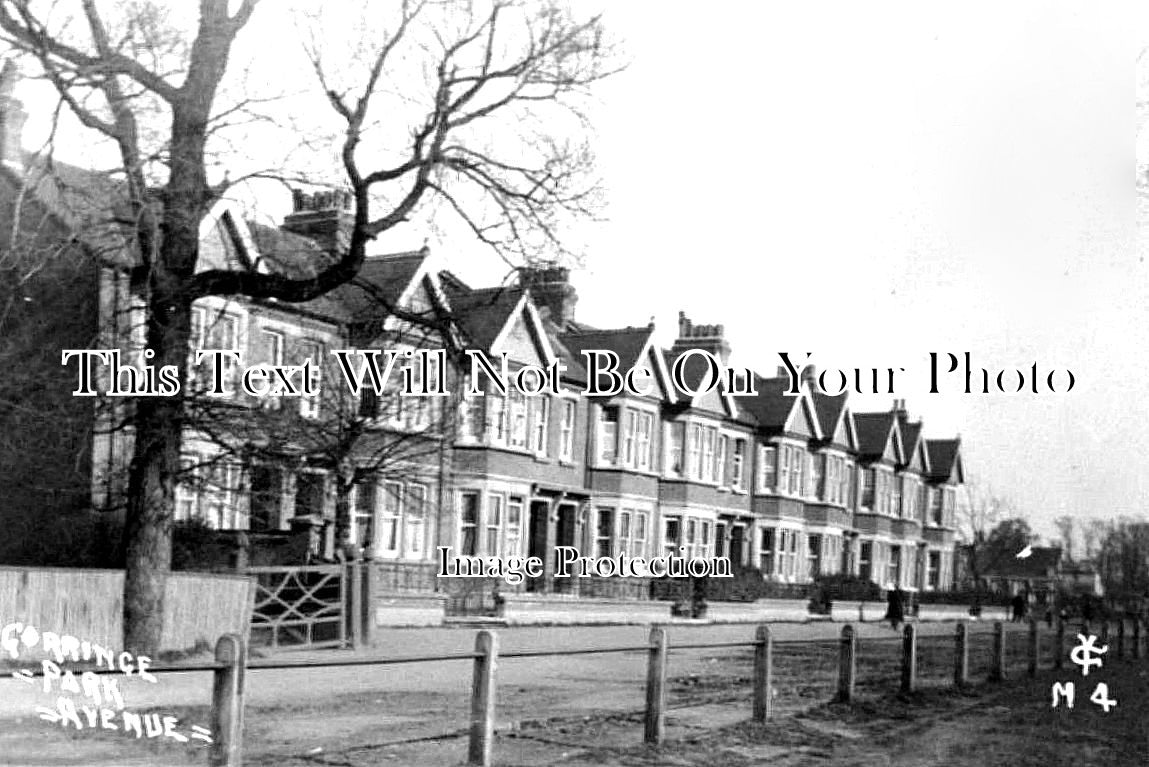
(481, 313)
(1042, 562)
(628, 343)
(771, 408)
(89, 203)
(829, 409)
(380, 284)
(873, 430)
(944, 456)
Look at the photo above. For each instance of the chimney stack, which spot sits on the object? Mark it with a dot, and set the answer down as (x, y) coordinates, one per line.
(710, 338)
(552, 291)
(323, 216)
(12, 118)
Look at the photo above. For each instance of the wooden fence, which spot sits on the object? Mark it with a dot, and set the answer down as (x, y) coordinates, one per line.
(88, 604)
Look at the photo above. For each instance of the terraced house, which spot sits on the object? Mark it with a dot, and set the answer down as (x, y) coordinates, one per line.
(794, 487)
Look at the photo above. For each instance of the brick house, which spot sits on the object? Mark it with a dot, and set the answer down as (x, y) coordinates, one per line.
(797, 486)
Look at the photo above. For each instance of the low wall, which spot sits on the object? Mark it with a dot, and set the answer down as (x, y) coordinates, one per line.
(88, 604)
(400, 609)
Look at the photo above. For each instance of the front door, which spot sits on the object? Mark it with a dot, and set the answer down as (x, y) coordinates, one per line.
(537, 539)
(565, 536)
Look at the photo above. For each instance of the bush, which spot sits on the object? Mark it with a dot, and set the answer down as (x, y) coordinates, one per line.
(847, 587)
(978, 597)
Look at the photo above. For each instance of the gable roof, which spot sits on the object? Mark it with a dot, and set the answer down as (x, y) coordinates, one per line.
(773, 410)
(875, 432)
(945, 458)
(831, 411)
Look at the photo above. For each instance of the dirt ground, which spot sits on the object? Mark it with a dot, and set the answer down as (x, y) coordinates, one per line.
(707, 722)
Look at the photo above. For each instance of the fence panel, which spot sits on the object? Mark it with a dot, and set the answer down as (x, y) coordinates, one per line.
(88, 604)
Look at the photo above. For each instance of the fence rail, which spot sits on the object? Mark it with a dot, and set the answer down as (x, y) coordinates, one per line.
(901, 663)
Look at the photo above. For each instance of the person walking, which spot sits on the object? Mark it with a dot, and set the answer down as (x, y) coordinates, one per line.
(895, 610)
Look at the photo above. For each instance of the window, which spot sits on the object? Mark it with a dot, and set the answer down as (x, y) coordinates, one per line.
(630, 438)
(273, 355)
(223, 483)
(896, 496)
(639, 537)
(468, 521)
(642, 447)
(704, 542)
(785, 470)
(494, 526)
(909, 498)
(214, 330)
(720, 539)
(676, 456)
(540, 417)
(709, 443)
(389, 531)
(514, 527)
(797, 470)
(720, 460)
(604, 533)
(816, 469)
(691, 537)
(470, 416)
(736, 466)
(310, 489)
(608, 436)
(894, 566)
(496, 418)
(671, 535)
(851, 492)
(625, 532)
(188, 487)
(934, 569)
(866, 560)
(936, 507)
(769, 473)
(766, 552)
(868, 489)
(813, 556)
(947, 507)
(566, 443)
(416, 516)
(266, 498)
(309, 405)
(695, 468)
(517, 405)
(363, 514)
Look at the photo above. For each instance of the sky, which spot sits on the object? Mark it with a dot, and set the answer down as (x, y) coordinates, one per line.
(873, 182)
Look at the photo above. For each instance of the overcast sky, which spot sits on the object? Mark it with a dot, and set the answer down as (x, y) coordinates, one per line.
(872, 182)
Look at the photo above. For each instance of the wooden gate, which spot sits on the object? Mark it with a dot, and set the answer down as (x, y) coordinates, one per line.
(302, 606)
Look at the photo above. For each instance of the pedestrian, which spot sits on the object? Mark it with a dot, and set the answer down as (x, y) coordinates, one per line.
(895, 611)
(1018, 603)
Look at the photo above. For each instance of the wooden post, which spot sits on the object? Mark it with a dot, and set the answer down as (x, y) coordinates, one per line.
(227, 702)
(961, 655)
(368, 612)
(655, 687)
(1059, 645)
(354, 606)
(1033, 649)
(483, 699)
(763, 674)
(909, 657)
(997, 669)
(1121, 638)
(847, 667)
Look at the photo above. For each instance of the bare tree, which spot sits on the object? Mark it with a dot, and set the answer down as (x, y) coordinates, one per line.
(492, 66)
(978, 516)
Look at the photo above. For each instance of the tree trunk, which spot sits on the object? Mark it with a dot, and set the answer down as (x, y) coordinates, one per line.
(151, 483)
